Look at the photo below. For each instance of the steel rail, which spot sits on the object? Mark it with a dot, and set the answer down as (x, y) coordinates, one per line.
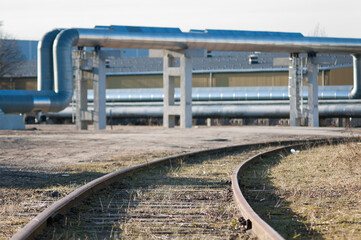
(35, 226)
(252, 220)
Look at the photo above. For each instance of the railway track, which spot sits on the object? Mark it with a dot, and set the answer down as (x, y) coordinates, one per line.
(186, 196)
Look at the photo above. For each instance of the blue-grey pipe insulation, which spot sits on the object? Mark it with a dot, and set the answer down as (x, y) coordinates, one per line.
(56, 92)
(220, 94)
(240, 109)
(45, 57)
(355, 93)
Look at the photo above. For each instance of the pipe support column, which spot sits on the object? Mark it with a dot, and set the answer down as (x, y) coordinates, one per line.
(184, 72)
(168, 89)
(99, 115)
(81, 90)
(186, 92)
(294, 90)
(312, 80)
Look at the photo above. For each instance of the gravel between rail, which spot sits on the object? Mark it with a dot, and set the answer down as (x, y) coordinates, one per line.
(191, 199)
(40, 155)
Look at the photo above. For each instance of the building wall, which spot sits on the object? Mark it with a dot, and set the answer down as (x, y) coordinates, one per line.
(18, 83)
(135, 81)
(341, 76)
(251, 79)
(152, 81)
(338, 76)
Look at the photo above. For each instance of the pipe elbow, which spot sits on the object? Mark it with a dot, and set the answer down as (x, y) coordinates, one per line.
(45, 60)
(63, 71)
(60, 101)
(66, 38)
(355, 93)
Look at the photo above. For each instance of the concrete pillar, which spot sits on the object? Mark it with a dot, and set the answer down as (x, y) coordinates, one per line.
(186, 92)
(168, 88)
(81, 87)
(170, 71)
(99, 114)
(312, 80)
(91, 65)
(294, 90)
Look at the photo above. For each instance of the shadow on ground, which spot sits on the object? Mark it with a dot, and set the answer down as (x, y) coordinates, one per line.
(15, 178)
(260, 193)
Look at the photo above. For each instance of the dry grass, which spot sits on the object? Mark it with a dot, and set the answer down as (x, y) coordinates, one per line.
(191, 198)
(321, 192)
(116, 162)
(323, 187)
(25, 193)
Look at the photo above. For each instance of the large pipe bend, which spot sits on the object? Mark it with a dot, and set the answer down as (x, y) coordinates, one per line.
(45, 61)
(56, 81)
(63, 71)
(356, 90)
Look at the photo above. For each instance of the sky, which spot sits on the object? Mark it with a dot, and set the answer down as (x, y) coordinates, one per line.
(30, 20)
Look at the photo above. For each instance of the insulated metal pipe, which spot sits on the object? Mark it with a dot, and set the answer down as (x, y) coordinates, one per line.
(21, 101)
(134, 37)
(356, 90)
(214, 40)
(24, 101)
(219, 94)
(45, 61)
(248, 109)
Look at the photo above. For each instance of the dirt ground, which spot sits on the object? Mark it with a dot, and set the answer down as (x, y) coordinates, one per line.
(33, 162)
(53, 146)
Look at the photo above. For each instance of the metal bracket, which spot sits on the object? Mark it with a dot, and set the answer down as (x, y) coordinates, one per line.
(159, 53)
(86, 115)
(109, 54)
(83, 60)
(318, 60)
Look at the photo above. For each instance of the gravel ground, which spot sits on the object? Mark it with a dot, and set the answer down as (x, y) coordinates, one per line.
(53, 146)
(32, 161)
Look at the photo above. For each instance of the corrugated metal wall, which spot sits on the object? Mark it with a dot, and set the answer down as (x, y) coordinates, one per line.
(18, 83)
(338, 76)
(341, 76)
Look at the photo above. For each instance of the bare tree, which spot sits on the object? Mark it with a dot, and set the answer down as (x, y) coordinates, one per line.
(11, 56)
(318, 31)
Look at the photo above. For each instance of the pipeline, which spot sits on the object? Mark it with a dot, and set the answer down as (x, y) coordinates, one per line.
(219, 94)
(241, 109)
(45, 56)
(56, 91)
(356, 90)
(51, 97)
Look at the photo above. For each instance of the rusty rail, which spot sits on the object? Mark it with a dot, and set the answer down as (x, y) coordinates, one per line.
(252, 220)
(35, 226)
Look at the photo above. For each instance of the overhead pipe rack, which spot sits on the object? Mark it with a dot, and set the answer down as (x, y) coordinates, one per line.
(55, 70)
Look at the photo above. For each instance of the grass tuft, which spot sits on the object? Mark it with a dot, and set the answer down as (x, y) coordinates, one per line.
(323, 187)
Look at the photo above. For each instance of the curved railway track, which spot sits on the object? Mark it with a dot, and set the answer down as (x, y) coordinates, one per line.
(183, 196)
